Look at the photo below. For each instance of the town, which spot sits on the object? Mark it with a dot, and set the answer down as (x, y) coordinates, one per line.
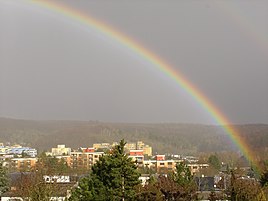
(18, 158)
(66, 166)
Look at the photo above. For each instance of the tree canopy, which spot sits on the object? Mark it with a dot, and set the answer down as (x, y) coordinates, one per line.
(113, 177)
(3, 179)
(214, 161)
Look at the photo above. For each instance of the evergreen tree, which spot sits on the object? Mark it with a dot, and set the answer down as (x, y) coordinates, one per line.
(214, 161)
(150, 191)
(3, 179)
(182, 175)
(113, 177)
(264, 179)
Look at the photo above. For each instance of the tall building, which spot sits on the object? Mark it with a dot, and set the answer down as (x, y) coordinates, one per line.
(130, 146)
(84, 160)
(137, 156)
(60, 150)
(22, 164)
(147, 150)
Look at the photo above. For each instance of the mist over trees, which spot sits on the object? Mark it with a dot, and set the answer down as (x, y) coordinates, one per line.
(165, 138)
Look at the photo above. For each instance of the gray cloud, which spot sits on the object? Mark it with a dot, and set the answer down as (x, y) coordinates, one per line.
(55, 68)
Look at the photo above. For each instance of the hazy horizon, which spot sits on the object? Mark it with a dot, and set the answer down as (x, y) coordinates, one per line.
(53, 68)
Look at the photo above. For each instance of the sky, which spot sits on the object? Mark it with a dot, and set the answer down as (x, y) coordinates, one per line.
(52, 67)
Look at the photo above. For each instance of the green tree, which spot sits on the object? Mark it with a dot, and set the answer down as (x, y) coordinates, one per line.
(176, 186)
(264, 179)
(150, 191)
(182, 175)
(3, 179)
(214, 161)
(113, 177)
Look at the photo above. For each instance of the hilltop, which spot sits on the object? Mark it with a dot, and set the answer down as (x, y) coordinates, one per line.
(163, 137)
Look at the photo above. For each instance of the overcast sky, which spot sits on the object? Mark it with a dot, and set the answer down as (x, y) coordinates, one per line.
(52, 67)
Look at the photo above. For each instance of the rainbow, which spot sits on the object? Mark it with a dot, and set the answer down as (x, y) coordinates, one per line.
(158, 63)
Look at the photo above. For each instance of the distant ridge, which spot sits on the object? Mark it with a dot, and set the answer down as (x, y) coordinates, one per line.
(164, 137)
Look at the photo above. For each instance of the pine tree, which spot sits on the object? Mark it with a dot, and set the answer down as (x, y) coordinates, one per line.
(214, 161)
(113, 177)
(182, 175)
(3, 179)
(264, 179)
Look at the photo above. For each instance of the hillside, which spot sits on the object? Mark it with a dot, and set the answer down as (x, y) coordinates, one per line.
(165, 138)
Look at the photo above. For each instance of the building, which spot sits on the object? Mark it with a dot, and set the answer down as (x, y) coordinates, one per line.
(140, 145)
(60, 150)
(84, 160)
(160, 157)
(101, 146)
(19, 151)
(137, 156)
(22, 163)
(130, 146)
(147, 150)
(60, 191)
(162, 166)
(87, 150)
(195, 167)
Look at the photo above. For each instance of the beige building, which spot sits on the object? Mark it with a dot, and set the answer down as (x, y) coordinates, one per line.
(21, 164)
(137, 156)
(147, 150)
(140, 145)
(195, 168)
(97, 146)
(160, 165)
(60, 150)
(130, 146)
(84, 160)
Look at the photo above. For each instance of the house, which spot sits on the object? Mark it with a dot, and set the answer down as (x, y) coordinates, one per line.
(21, 182)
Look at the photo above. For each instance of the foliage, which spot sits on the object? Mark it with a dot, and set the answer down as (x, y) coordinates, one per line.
(176, 186)
(113, 177)
(182, 138)
(182, 175)
(51, 165)
(149, 192)
(264, 179)
(3, 179)
(31, 186)
(172, 190)
(213, 196)
(244, 189)
(214, 161)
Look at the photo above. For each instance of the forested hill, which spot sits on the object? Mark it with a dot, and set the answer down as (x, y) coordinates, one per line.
(164, 138)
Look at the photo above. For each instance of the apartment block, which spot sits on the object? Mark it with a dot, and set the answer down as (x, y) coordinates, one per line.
(147, 150)
(22, 163)
(137, 156)
(130, 146)
(84, 160)
(60, 150)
